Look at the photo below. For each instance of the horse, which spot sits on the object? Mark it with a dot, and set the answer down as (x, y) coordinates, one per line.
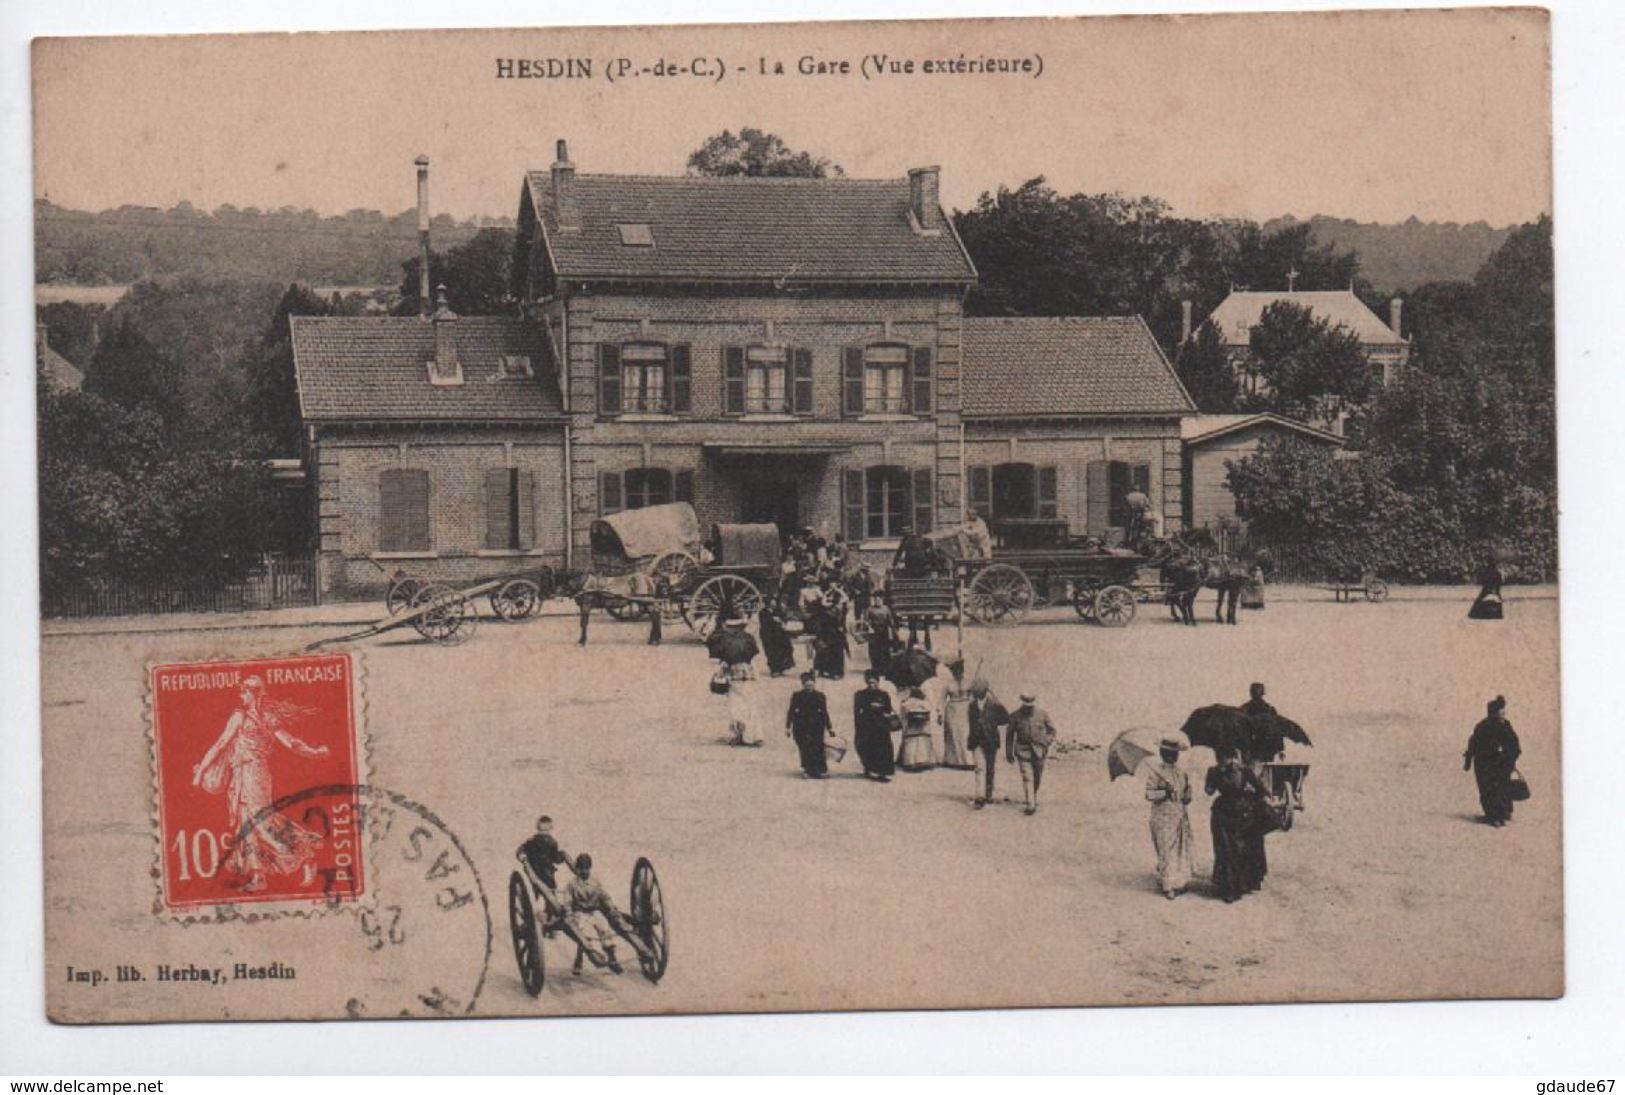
(1186, 571)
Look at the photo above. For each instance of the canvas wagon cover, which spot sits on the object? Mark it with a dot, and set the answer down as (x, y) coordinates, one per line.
(647, 532)
(746, 545)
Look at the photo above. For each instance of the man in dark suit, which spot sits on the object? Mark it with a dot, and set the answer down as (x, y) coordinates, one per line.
(1027, 746)
(986, 715)
(807, 722)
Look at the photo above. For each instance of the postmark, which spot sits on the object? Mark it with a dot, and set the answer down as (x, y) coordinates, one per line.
(231, 741)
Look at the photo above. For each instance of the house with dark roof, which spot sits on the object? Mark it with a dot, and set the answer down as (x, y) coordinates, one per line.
(1064, 417)
(769, 349)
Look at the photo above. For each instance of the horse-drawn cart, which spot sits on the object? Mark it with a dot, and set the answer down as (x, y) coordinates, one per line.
(1101, 584)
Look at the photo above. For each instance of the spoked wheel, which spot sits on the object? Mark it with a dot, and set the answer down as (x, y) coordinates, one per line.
(1083, 601)
(1114, 606)
(727, 596)
(527, 935)
(448, 616)
(516, 599)
(648, 917)
(678, 568)
(1376, 591)
(401, 593)
(1000, 594)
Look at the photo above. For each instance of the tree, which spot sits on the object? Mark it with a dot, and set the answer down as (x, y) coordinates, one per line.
(1258, 259)
(1205, 368)
(270, 389)
(1301, 366)
(475, 274)
(128, 370)
(755, 153)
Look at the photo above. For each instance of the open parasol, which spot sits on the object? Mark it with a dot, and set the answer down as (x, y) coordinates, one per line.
(1219, 726)
(913, 667)
(1129, 748)
(1268, 734)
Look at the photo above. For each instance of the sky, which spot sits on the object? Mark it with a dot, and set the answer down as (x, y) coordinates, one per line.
(1376, 116)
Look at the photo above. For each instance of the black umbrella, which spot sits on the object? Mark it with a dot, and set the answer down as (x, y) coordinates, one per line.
(1219, 727)
(913, 667)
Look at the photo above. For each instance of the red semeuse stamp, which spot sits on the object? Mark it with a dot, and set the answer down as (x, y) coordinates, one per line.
(234, 742)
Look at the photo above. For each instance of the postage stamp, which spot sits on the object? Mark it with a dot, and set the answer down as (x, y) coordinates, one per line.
(233, 745)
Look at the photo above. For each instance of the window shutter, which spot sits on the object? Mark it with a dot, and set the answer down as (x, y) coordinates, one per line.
(403, 510)
(920, 381)
(526, 484)
(1120, 486)
(609, 493)
(801, 397)
(681, 378)
(852, 380)
(498, 509)
(1049, 501)
(1098, 497)
(683, 486)
(852, 503)
(1140, 477)
(922, 500)
(609, 378)
(733, 380)
(981, 490)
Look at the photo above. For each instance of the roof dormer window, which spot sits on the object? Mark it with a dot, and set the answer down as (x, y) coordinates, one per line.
(636, 235)
(515, 367)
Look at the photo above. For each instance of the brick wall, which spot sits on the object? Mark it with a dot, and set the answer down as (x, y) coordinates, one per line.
(456, 459)
(1071, 446)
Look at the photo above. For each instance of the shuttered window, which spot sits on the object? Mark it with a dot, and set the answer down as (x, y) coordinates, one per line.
(852, 501)
(1098, 502)
(510, 513)
(1125, 478)
(647, 487)
(885, 379)
(682, 379)
(801, 401)
(852, 381)
(403, 510)
(919, 381)
(923, 500)
(981, 490)
(733, 380)
(609, 378)
(609, 493)
(1049, 502)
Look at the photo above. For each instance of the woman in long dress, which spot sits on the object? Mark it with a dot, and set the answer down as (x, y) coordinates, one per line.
(734, 648)
(263, 841)
(917, 751)
(952, 704)
(1488, 604)
(1168, 789)
(1235, 813)
(1492, 754)
(776, 645)
(829, 642)
(872, 719)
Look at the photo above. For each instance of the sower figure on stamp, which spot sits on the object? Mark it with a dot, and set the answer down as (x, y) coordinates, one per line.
(1027, 746)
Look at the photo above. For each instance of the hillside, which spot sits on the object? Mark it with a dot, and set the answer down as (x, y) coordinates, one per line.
(1397, 257)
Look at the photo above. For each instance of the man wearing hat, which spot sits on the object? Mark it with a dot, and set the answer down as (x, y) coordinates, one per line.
(1168, 789)
(985, 715)
(808, 722)
(1027, 746)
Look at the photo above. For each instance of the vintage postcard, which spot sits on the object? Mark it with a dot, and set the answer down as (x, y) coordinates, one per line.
(963, 514)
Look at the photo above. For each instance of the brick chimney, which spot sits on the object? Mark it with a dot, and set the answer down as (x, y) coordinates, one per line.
(445, 370)
(423, 235)
(923, 203)
(1394, 306)
(1187, 316)
(564, 190)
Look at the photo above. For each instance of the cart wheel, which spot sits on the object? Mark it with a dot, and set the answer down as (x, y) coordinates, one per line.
(648, 910)
(447, 616)
(678, 568)
(515, 600)
(624, 610)
(724, 595)
(1289, 806)
(401, 593)
(527, 935)
(1083, 601)
(1114, 606)
(999, 594)
(1376, 591)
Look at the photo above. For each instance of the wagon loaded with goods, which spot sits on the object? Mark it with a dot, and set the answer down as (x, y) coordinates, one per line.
(1103, 585)
(653, 559)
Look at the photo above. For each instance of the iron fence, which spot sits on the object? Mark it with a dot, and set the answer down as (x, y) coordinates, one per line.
(278, 582)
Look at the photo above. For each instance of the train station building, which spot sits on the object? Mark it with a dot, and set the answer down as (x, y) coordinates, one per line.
(770, 349)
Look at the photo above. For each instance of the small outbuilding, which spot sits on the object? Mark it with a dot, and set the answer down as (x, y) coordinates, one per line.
(1212, 440)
